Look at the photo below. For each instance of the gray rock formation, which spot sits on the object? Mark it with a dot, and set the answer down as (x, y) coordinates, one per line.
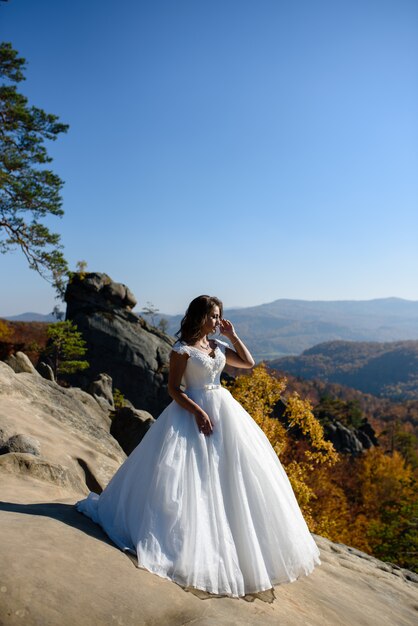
(21, 443)
(101, 390)
(129, 426)
(67, 426)
(366, 434)
(19, 363)
(344, 440)
(94, 289)
(45, 371)
(119, 342)
(351, 441)
(28, 466)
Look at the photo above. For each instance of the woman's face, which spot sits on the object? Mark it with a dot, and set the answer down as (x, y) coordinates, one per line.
(212, 320)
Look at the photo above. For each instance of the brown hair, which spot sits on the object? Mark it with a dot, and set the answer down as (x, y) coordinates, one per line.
(195, 317)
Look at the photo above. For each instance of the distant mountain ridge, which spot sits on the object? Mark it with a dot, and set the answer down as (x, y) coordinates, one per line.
(288, 327)
(31, 317)
(387, 370)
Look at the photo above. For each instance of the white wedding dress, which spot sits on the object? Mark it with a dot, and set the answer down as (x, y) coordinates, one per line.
(215, 512)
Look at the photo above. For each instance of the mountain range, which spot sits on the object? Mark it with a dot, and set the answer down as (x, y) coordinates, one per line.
(288, 327)
(31, 317)
(386, 370)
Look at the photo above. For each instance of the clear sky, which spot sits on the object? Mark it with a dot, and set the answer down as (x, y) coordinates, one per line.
(253, 150)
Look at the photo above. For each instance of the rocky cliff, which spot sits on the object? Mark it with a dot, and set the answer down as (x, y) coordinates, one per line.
(119, 342)
(59, 568)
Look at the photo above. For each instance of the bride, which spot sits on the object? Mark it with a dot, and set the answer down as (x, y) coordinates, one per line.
(203, 500)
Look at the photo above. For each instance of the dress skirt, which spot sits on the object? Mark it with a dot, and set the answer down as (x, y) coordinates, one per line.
(216, 512)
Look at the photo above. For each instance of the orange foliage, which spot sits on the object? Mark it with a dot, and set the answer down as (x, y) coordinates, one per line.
(258, 394)
(369, 502)
(29, 337)
(5, 331)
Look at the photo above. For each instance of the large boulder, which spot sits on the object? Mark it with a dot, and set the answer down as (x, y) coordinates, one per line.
(23, 465)
(45, 370)
(21, 443)
(101, 390)
(343, 439)
(366, 434)
(20, 362)
(94, 290)
(119, 342)
(129, 426)
(65, 440)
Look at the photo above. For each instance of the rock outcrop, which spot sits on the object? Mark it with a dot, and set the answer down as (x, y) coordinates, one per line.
(129, 426)
(45, 370)
(77, 576)
(20, 362)
(101, 390)
(59, 568)
(66, 427)
(119, 342)
(21, 443)
(350, 441)
(353, 441)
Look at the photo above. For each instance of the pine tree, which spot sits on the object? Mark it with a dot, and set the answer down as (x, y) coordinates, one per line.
(29, 192)
(66, 346)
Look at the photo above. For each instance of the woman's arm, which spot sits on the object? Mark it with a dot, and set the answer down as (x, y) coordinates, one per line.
(178, 364)
(241, 356)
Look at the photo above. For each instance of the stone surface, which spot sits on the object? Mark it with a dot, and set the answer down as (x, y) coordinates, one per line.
(119, 342)
(45, 371)
(71, 428)
(343, 439)
(58, 568)
(21, 464)
(21, 443)
(3, 436)
(129, 426)
(353, 441)
(101, 390)
(19, 363)
(97, 290)
(77, 576)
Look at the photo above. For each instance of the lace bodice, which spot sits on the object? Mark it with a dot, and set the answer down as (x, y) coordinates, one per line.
(202, 369)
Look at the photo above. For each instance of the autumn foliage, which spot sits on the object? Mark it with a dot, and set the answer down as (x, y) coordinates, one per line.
(28, 337)
(369, 502)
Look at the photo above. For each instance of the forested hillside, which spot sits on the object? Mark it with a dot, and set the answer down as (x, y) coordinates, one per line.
(395, 423)
(369, 500)
(387, 370)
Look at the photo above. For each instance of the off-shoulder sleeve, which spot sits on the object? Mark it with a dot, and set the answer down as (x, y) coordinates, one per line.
(181, 348)
(222, 345)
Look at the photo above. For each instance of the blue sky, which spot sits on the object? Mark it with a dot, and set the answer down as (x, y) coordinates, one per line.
(253, 150)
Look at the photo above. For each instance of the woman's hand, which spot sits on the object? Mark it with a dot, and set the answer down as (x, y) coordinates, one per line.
(240, 356)
(204, 423)
(226, 328)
